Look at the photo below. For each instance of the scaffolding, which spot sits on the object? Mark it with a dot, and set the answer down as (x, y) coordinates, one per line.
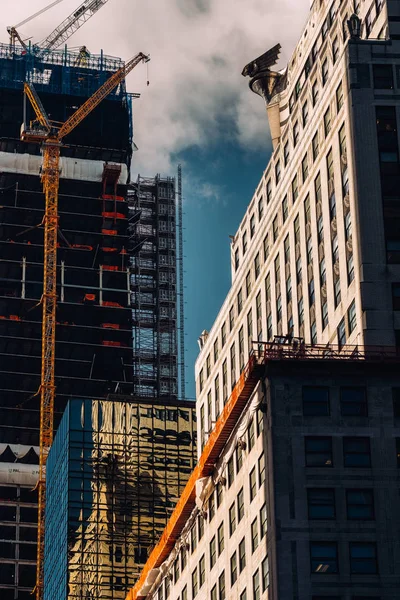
(153, 230)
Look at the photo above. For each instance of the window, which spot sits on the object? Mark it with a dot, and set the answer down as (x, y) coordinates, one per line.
(253, 484)
(233, 365)
(396, 296)
(252, 226)
(296, 133)
(288, 289)
(318, 451)
(285, 209)
(232, 519)
(193, 538)
(243, 595)
(220, 536)
(269, 191)
(184, 593)
(261, 470)
(219, 494)
(300, 308)
(202, 426)
(183, 558)
(350, 269)
(200, 522)
(347, 226)
(324, 559)
(244, 243)
(233, 568)
(335, 50)
(339, 97)
(286, 154)
(214, 592)
(266, 247)
(213, 552)
(176, 570)
(248, 284)
(315, 401)
(277, 172)
(345, 29)
(313, 332)
(201, 380)
(368, 23)
(315, 146)
(379, 6)
(341, 334)
(295, 189)
(236, 259)
(321, 503)
(257, 265)
(337, 293)
(305, 113)
(195, 583)
(242, 555)
(353, 401)
(239, 458)
(223, 335)
(265, 573)
(363, 560)
(260, 208)
(356, 452)
(279, 309)
(254, 535)
(216, 396)
(240, 505)
(224, 381)
(315, 92)
(325, 317)
(251, 434)
(256, 586)
(322, 271)
(275, 228)
(360, 504)
(297, 230)
(215, 350)
(231, 318)
(311, 292)
(309, 250)
(304, 168)
(239, 301)
(335, 249)
(325, 71)
(221, 586)
(231, 472)
(327, 121)
(211, 507)
(263, 521)
(383, 77)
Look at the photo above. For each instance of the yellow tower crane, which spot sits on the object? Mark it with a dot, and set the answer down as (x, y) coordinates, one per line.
(51, 134)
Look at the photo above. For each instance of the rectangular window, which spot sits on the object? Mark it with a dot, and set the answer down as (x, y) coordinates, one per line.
(318, 451)
(277, 172)
(266, 247)
(263, 521)
(231, 318)
(321, 503)
(233, 365)
(311, 292)
(200, 523)
(251, 434)
(201, 380)
(241, 349)
(193, 538)
(248, 284)
(315, 92)
(225, 382)
(296, 133)
(221, 586)
(236, 259)
(257, 265)
(356, 452)
(324, 557)
(184, 593)
(233, 568)
(176, 570)
(350, 269)
(195, 583)
(300, 309)
(275, 228)
(216, 397)
(363, 560)
(243, 595)
(223, 335)
(254, 535)
(295, 189)
(213, 552)
(360, 504)
(183, 558)
(304, 111)
(337, 293)
(214, 592)
(232, 519)
(341, 334)
(339, 97)
(242, 555)
(250, 329)
(324, 311)
(322, 271)
(240, 505)
(239, 458)
(286, 154)
(219, 494)
(211, 507)
(253, 484)
(327, 122)
(244, 243)
(304, 168)
(221, 540)
(265, 573)
(215, 350)
(256, 586)
(316, 401)
(260, 208)
(342, 141)
(285, 209)
(383, 77)
(315, 146)
(261, 470)
(325, 71)
(269, 191)
(231, 471)
(239, 299)
(252, 226)
(353, 402)
(209, 413)
(335, 50)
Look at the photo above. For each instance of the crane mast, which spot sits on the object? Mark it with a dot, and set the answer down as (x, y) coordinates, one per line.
(51, 135)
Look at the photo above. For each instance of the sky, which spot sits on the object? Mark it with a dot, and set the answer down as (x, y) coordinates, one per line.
(197, 111)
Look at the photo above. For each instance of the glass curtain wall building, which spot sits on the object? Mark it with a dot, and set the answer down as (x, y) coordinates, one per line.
(115, 472)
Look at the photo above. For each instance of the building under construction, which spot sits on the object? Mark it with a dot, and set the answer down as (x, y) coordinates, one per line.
(116, 273)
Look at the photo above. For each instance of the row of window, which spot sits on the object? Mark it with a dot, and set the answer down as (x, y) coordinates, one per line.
(362, 558)
(356, 451)
(321, 504)
(353, 401)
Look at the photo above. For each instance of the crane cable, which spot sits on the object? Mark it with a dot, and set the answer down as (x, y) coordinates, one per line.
(39, 12)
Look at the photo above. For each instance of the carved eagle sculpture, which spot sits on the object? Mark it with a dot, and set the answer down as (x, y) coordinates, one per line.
(263, 62)
(263, 81)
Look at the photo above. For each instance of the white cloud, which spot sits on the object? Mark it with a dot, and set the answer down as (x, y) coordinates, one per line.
(197, 95)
